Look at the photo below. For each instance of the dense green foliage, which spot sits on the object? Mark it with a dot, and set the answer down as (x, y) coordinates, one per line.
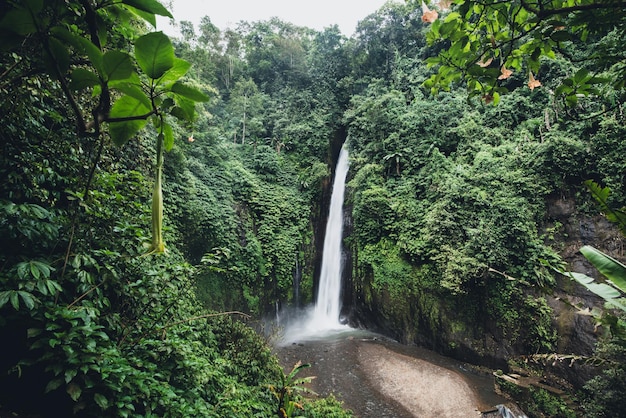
(490, 40)
(452, 239)
(92, 324)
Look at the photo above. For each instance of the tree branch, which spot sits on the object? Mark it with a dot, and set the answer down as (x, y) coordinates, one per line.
(131, 118)
(543, 13)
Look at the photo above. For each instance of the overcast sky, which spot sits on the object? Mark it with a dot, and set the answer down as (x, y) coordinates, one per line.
(316, 14)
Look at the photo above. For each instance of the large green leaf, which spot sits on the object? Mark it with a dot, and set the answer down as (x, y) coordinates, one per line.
(117, 65)
(617, 216)
(189, 92)
(101, 400)
(124, 108)
(168, 137)
(607, 265)
(93, 52)
(27, 298)
(122, 132)
(178, 70)
(619, 303)
(60, 57)
(603, 290)
(83, 78)
(128, 106)
(5, 295)
(610, 294)
(613, 297)
(148, 17)
(80, 44)
(133, 91)
(150, 6)
(22, 20)
(185, 109)
(74, 391)
(155, 54)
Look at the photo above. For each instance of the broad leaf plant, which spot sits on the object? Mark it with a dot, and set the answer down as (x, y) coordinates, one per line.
(114, 75)
(484, 42)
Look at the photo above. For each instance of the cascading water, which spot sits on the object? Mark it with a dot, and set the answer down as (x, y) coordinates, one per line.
(324, 318)
(328, 305)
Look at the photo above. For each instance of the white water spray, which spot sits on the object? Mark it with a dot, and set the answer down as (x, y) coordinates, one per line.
(328, 306)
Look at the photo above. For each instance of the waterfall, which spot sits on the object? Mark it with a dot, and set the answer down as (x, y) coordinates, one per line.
(328, 305)
(323, 319)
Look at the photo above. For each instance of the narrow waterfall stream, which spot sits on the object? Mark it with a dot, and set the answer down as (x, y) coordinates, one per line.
(372, 375)
(323, 318)
(328, 305)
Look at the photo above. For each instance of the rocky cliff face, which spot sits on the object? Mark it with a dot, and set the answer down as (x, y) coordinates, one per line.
(571, 302)
(422, 317)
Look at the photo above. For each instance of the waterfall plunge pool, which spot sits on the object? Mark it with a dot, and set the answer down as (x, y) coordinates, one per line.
(377, 377)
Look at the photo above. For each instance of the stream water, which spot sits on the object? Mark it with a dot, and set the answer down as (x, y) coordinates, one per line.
(347, 362)
(420, 383)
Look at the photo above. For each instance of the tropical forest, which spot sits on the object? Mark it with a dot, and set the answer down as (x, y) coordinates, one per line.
(164, 201)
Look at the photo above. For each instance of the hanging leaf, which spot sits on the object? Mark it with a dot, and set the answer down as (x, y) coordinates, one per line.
(80, 44)
(93, 52)
(19, 21)
(134, 92)
(607, 265)
(123, 108)
(561, 36)
(618, 303)
(82, 78)
(53, 287)
(60, 59)
(74, 391)
(122, 132)
(189, 92)
(53, 385)
(101, 400)
(148, 17)
(33, 269)
(581, 75)
(612, 296)
(603, 290)
(179, 113)
(168, 137)
(617, 216)
(5, 295)
(117, 65)
(155, 54)
(150, 6)
(27, 298)
(179, 69)
(187, 106)
(128, 106)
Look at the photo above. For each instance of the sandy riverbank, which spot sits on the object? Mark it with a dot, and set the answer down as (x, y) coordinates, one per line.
(422, 388)
(376, 378)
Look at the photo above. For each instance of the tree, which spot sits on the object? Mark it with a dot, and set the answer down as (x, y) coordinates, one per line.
(276, 53)
(246, 102)
(383, 36)
(485, 42)
(114, 77)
